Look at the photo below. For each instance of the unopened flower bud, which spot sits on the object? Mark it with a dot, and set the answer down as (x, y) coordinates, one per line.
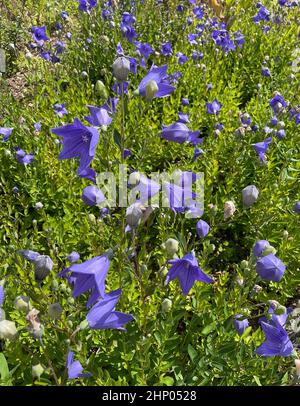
(92, 218)
(244, 264)
(100, 89)
(22, 304)
(285, 234)
(240, 281)
(171, 246)
(37, 371)
(166, 305)
(250, 195)
(54, 310)
(84, 324)
(39, 206)
(273, 304)
(134, 178)
(151, 90)
(256, 289)
(43, 265)
(134, 213)
(8, 330)
(84, 75)
(121, 68)
(229, 209)
(104, 39)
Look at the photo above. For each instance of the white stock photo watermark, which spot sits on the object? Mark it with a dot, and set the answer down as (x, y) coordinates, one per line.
(182, 191)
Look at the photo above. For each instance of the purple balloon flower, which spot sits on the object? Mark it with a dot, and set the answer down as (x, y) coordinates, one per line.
(270, 268)
(22, 157)
(277, 103)
(78, 141)
(73, 257)
(127, 153)
(278, 318)
(160, 77)
(91, 195)
(240, 323)
(60, 109)
(280, 134)
(91, 274)
(99, 116)
(28, 254)
(39, 35)
(145, 49)
(103, 315)
(202, 228)
(266, 72)
(75, 368)
(187, 271)
(5, 132)
(1, 295)
(177, 132)
(259, 247)
(214, 107)
(166, 49)
(87, 173)
(37, 126)
(277, 341)
(261, 148)
(296, 208)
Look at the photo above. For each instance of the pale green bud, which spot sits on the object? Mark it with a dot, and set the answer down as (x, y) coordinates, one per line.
(101, 90)
(134, 178)
(285, 234)
(171, 246)
(92, 218)
(84, 324)
(8, 330)
(54, 310)
(166, 305)
(22, 304)
(37, 371)
(244, 264)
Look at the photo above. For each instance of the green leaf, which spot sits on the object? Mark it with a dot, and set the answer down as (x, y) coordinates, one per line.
(4, 371)
(167, 380)
(209, 328)
(256, 378)
(192, 352)
(117, 138)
